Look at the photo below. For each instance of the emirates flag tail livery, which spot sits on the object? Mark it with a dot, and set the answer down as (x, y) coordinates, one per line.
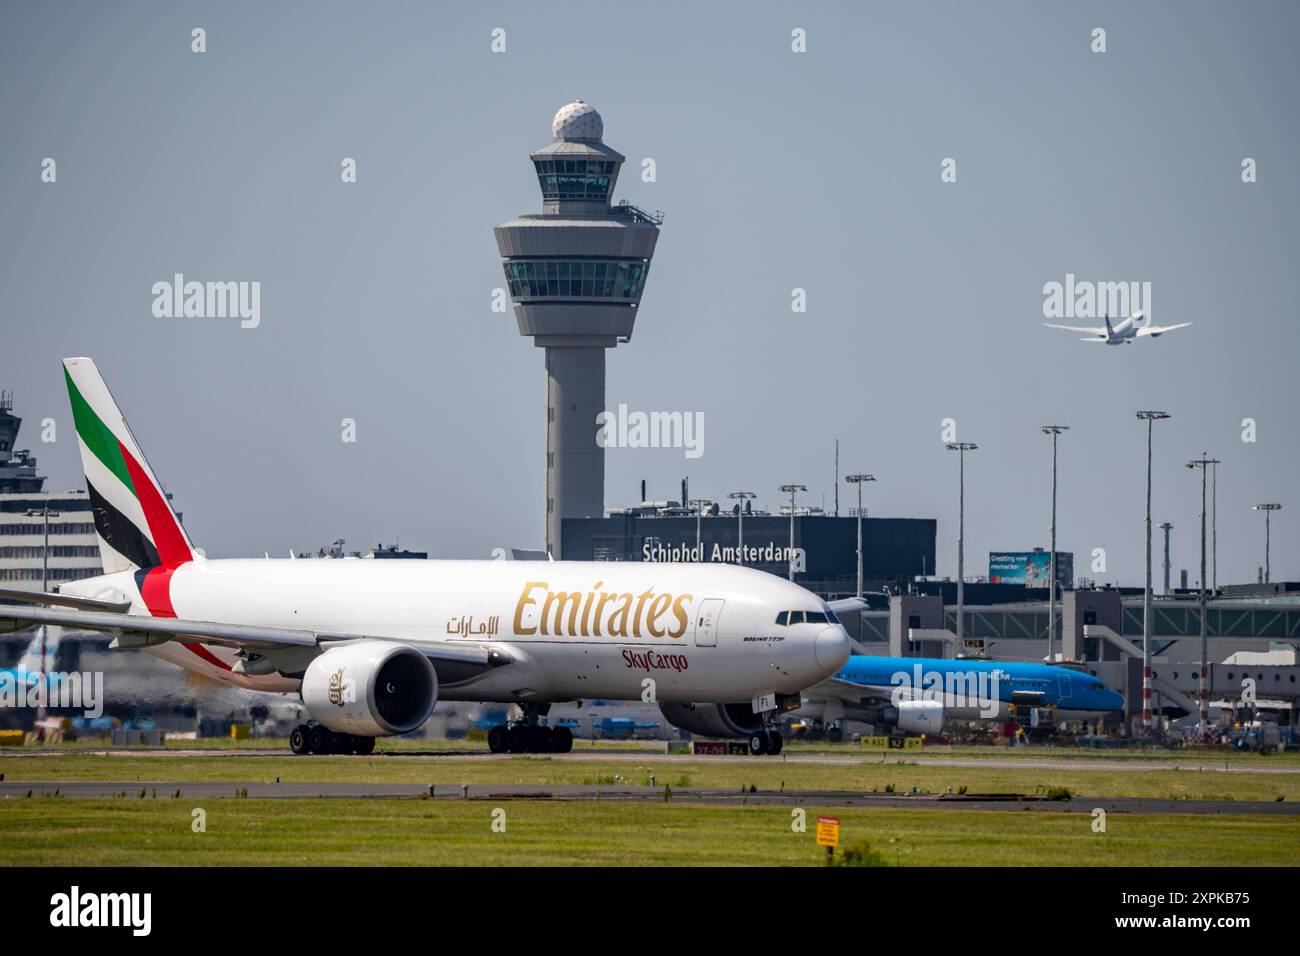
(372, 646)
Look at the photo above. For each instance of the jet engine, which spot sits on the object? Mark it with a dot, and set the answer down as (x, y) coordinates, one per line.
(370, 689)
(713, 720)
(920, 716)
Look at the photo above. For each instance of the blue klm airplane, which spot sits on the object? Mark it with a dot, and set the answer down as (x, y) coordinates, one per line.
(918, 694)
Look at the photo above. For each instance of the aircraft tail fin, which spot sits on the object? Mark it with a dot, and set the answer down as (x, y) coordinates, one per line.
(1110, 330)
(134, 521)
(41, 654)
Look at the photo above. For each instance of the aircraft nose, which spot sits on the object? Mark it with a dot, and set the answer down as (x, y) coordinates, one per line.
(1114, 700)
(832, 647)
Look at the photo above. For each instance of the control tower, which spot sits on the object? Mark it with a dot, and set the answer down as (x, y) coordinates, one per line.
(576, 273)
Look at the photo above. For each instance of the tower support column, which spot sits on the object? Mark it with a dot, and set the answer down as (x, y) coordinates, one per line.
(575, 461)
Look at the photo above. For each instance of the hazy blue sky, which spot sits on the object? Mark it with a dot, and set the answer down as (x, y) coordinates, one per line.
(775, 170)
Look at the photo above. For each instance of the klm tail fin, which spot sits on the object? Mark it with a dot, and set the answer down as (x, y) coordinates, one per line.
(41, 654)
(136, 525)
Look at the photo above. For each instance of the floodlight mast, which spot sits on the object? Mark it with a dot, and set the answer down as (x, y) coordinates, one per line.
(790, 490)
(1054, 431)
(859, 480)
(961, 447)
(741, 498)
(1150, 417)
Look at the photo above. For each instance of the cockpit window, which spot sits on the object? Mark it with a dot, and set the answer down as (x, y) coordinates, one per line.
(807, 617)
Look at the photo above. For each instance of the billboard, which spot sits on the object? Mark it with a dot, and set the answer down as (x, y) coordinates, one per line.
(1030, 568)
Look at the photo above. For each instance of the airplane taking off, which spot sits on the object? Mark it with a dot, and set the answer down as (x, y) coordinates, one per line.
(372, 646)
(1136, 326)
(918, 694)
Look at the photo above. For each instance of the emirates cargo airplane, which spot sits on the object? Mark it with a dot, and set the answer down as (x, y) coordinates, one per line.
(372, 646)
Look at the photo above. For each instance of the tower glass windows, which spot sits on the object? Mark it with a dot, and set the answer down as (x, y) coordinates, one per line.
(576, 278)
(575, 178)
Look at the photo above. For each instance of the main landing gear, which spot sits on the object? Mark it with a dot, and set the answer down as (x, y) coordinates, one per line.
(527, 736)
(315, 739)
(765, 741)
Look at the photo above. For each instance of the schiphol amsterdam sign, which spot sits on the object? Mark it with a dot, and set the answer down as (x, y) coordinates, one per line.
(769, 553)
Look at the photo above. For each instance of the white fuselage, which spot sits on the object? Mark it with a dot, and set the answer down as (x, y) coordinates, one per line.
(703, 632)
(1123, 331)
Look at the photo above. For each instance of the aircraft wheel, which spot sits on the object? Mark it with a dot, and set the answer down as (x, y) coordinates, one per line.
(758, 743)
(319, 740)
(774, 742)
(363, 745)
(516, 740)
(835, 735)
(498, 740)
(561, 740)
(298, 740)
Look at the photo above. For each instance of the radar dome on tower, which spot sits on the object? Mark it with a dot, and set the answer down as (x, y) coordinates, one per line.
(577, 120)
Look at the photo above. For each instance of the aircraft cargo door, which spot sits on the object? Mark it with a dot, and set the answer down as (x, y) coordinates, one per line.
(706, 622)
(1063, 689)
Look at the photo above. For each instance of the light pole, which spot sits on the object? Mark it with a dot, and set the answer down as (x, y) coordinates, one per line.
(1214, 527)
(791, 489)
(741, 497)
(858, 480)
(699, 504)
(961, 447)
(44, 514)
(1268, 510)
(1054, 431)
(1150, 418)
(1203, 464)
(1166, 528)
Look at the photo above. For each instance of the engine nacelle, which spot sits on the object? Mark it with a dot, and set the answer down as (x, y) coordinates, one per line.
(371, 688)
(712, 720)
(920, 716)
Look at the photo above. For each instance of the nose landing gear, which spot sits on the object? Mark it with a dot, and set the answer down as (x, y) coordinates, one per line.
(765, 741)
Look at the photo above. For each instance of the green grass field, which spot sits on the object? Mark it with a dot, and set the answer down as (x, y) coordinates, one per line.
(134, 831)
(157, 830)
(867, 773)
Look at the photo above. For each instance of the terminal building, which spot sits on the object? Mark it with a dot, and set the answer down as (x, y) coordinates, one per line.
(823, 550)
(30, 517)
